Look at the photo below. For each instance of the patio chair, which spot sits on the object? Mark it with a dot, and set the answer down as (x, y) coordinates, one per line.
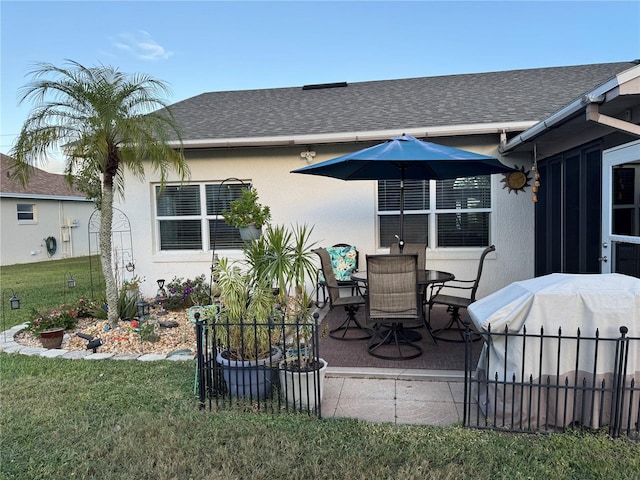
(350, 303)
(344, 262)
(419, 249)
(467, 289)
(393, 300)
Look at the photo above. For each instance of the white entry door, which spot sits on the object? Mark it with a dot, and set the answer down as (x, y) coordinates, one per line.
(621, 209)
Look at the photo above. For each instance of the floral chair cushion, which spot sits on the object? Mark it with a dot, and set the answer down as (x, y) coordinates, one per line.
(344, 261)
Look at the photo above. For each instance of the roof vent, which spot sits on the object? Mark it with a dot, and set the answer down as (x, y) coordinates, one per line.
(319, 86)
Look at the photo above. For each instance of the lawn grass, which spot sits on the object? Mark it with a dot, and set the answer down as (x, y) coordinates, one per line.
(43, 285)
(108, 419)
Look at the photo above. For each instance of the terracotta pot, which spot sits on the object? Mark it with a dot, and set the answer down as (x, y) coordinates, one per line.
(52, 338)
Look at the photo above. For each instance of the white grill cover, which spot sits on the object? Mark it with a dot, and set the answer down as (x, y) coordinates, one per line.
(566, 301)
(558, 301)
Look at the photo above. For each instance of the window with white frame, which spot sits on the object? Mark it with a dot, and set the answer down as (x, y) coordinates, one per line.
(26, 213)
(456, 212)
(189, 217)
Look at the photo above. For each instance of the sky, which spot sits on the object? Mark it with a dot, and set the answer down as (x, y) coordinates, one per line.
(204, 46)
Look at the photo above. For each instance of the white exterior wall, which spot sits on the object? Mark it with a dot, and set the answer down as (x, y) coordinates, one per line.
(23, 242)
(340, 211)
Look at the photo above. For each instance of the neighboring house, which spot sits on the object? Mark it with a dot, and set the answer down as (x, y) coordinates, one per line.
(45, 220)
(520, 116)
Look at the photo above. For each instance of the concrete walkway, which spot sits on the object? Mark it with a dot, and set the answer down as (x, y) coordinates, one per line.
(421, 397)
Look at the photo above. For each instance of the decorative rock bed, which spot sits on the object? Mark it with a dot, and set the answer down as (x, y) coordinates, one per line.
(175, 339)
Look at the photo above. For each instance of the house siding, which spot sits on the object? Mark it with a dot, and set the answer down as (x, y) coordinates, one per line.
(25, 242)
(339, 211)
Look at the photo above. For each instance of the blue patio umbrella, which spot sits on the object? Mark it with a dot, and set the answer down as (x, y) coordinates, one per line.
(406, 158)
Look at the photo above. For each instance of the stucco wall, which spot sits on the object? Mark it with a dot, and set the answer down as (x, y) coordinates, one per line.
(340, 211)
(22, 242)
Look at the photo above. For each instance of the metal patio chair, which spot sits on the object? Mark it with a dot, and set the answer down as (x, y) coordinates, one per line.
(467, 295)
(393, 301)
(344, 262)
(350, 303)
(419, 249)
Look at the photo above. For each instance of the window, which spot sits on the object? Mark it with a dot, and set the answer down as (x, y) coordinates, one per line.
(190, 216)
(26, 213)
(456, 211)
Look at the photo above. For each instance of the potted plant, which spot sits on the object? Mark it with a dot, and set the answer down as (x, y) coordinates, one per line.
(50, 325)
(302, 371)
(246, 214)
(284, 258)
(243, 327)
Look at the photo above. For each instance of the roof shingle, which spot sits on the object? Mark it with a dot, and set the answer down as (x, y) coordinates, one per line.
(494, 97)
(40, 183)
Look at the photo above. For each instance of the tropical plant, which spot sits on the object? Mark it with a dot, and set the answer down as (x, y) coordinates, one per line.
(246, 210)
(283, 257)
(247, 306)
(300, 322)
(105, 121)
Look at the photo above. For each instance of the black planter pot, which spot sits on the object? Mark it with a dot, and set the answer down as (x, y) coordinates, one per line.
(253, 378)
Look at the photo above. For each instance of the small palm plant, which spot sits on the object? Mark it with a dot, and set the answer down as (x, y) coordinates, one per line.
(247, 306)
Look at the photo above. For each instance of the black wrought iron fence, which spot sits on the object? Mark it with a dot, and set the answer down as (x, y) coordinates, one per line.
(286, 377)
(545, 382)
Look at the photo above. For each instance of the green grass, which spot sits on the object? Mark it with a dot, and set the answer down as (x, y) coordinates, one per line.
(43, 285)
(107, 419)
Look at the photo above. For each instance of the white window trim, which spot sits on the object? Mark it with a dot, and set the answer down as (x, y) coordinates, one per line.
(462, 253)
(34, 213)
(188, 254)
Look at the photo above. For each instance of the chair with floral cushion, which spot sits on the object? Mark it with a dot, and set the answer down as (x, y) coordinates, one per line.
(350, 328)
(344, 262)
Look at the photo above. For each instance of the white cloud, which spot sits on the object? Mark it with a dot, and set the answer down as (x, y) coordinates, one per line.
(141, 45)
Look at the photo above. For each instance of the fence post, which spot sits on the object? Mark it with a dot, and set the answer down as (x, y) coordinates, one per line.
(466, 410)
(200, 359)
(618, 387)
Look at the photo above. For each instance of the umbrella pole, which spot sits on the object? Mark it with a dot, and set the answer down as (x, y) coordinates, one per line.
(401, 240)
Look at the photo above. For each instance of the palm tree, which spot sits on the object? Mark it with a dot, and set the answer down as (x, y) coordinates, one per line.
(104, 121)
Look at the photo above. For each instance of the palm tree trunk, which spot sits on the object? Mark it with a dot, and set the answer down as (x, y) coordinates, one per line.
(104, 238)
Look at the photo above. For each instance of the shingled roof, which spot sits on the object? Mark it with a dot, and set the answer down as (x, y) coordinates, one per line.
(41, 184)
(481, 98)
